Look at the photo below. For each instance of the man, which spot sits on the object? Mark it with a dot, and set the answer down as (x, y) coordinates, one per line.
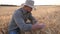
(19, 21)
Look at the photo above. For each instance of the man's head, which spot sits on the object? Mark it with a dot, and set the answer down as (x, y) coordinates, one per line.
(29, 5)
(27, 8)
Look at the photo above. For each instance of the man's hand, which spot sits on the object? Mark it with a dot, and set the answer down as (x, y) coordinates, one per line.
(38, 26)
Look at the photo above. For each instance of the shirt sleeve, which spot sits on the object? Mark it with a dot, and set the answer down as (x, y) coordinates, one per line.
(32, 19)
(21, 23)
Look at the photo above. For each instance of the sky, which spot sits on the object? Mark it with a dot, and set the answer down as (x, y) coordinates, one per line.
(37, 2)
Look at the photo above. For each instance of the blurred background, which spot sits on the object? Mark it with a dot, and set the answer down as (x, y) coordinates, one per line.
(47, 11)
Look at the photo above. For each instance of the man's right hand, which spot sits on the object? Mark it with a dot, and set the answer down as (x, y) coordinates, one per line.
(38, 26)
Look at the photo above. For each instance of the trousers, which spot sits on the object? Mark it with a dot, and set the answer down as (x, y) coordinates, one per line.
(15, 31)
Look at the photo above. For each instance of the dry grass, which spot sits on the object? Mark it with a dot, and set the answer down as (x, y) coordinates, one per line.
(50, 15)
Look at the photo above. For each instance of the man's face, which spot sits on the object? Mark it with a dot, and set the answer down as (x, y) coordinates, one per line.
(29, 9)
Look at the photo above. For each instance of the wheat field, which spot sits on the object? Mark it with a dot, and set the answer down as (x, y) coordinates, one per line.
(50, 15)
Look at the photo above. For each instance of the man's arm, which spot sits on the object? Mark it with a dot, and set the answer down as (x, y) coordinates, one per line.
(21, 23)
(32, 19)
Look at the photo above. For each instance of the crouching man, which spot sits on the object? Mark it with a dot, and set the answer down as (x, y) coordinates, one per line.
(20, 17)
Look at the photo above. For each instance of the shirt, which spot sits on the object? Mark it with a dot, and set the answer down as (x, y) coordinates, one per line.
(19, 20)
